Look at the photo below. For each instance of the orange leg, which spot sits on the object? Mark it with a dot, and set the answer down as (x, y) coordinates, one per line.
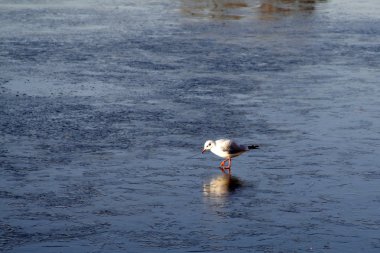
(223, 168)
(229, 166)
(229, 163)
(222, 163)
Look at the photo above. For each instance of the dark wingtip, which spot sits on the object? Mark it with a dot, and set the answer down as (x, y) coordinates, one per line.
(253, 147)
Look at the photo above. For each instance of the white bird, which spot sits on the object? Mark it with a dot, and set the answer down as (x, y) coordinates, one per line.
(227, 149)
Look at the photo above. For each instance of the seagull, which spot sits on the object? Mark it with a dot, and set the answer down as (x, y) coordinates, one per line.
(227, 149)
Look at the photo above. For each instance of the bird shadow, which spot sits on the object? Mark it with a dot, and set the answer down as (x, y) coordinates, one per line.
(222, 186)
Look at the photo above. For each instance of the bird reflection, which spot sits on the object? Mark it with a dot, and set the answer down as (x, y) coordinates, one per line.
(222, 186)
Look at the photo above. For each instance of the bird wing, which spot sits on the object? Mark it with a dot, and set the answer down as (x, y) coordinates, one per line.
(230, 146)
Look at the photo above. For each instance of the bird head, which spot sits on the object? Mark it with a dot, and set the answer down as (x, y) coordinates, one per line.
(208, 145)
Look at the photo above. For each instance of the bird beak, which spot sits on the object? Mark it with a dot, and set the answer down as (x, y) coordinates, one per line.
(204, 150)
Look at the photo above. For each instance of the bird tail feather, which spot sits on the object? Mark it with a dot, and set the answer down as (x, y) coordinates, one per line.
(253, 147)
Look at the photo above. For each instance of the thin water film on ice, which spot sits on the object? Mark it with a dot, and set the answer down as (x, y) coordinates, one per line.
(105, 107)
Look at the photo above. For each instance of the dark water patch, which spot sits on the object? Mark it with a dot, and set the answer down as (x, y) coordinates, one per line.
(10, 195)
(150, 66)
(42, 216)
(14, 236)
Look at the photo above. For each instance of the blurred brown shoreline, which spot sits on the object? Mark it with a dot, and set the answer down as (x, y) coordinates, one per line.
(238, 9)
